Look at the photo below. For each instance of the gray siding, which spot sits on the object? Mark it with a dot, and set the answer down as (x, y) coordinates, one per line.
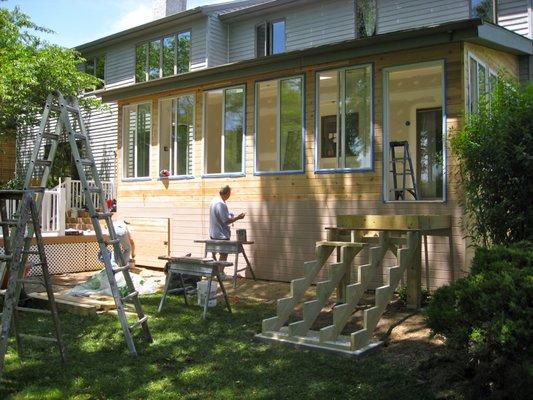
(198, 44)
(515, 15)
(394, 15)
(306, 26)
(217, 42)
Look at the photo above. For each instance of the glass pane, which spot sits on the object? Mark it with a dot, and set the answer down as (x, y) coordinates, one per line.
(233, 129)
(100, 67)
(267, 132)
(185, 132)
(260, 40)
(415, 103)
(493, 81)
(128, 145)
(358, 113)
(184, 51)
(473, 92)
(291, 123)
(166, 128)
(328, 94)
(168, 55)
(482, 76)
(278, 37)
(144, 121)
(213, 131)
(140, 62)
(153, 59)
(89, 66)
(483, 9)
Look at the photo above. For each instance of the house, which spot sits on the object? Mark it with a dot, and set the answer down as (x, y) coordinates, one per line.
(294, 103)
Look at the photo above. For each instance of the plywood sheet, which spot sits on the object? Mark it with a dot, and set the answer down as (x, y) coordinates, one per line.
(152, 238)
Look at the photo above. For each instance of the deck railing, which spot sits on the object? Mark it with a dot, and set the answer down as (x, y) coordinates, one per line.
(76, 198)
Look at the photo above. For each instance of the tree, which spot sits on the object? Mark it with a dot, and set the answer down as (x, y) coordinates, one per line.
(31, 68)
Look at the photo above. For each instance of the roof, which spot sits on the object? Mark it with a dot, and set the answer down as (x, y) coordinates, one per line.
(474, 31)
(232, 15)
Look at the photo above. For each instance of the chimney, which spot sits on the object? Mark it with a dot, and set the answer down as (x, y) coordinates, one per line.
(164, 8)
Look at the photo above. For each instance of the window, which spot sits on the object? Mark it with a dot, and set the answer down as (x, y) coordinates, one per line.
(176, 134)
(136, 140)
(484, 9)
(96, 66)
(270, 38)
(344, 119)
(414, 117)
(224, 130)
(480, 82)
(279, 125)
(162, 57)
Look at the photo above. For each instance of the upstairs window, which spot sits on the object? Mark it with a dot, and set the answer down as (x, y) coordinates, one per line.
(270, 38)
(162, 57)
(481, 81)
(96, 66)
(136, 140)
(484, 9)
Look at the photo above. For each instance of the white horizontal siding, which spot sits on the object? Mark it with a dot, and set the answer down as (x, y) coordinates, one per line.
(306, 26)
(394, 15)
(515, 16)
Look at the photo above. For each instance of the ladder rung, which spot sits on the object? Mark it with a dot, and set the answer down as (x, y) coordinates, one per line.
(37, 188)
(87, 162)
(32, 252)
(33, 310)
(53, 107)
(6, 257)
(130, 296)
(111, 242)
(34, 337)
(95, 189)
(79, 136)
(139, 322)
(44, 163)
(102, 215)
(31, 281)
(52, 136)
(116, 270)
(9, 222)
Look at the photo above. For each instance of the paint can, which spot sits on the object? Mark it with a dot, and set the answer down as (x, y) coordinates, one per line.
(241, 235)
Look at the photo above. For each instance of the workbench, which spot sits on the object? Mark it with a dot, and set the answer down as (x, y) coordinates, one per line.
(229, 247)
(194, 266)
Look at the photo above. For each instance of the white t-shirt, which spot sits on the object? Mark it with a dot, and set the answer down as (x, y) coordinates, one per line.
(218, 215)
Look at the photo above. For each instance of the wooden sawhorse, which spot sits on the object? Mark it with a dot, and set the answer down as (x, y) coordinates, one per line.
(229, 247)
(196, 267)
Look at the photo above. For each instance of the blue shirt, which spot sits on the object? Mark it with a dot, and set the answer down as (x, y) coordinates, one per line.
(218, 216)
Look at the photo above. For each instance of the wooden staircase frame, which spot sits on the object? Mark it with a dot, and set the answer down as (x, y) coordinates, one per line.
(402, 241)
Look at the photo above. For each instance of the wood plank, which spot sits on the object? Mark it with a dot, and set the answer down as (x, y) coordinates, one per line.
(68, 306)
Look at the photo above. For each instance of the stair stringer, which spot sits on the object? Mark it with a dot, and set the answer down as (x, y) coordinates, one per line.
(383, 296)
(299, 286)
(354, 292)
(312, 308)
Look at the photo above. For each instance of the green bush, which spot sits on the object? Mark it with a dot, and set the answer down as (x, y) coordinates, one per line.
(487, 319)
(495, 153)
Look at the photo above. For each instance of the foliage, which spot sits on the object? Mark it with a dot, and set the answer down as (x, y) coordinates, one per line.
(424, 295)
(30, 69)
(495, 152)
(194, 359)
(487, 319)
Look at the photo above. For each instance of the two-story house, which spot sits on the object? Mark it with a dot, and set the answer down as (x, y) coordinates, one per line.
(294, 103)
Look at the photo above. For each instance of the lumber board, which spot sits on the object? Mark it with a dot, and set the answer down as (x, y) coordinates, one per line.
(395, 222)
(68, 306)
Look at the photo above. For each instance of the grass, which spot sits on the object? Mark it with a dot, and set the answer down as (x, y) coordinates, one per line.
(194, 359)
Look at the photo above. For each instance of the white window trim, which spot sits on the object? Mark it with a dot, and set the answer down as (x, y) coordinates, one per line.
(278, 170)
(191, 150)
(223, 134)
(488, 72)
(269, 36)
(386, 136)
(124, 113)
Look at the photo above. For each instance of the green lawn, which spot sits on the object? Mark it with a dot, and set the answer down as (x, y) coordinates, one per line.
(193, 359)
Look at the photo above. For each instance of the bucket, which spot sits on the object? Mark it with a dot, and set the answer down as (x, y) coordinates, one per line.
(241, 235)
(201, 290)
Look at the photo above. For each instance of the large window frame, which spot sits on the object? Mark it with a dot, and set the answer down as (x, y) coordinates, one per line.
(190, 163)
(278, 171)
(475, 93)
(341, 120)
(95, 66)
(222, 172)
(125, 113)
(161, 42)
(268, 46)
(386, 136)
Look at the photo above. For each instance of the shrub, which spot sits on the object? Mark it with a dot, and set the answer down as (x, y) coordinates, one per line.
(495, 153)
(487, 319)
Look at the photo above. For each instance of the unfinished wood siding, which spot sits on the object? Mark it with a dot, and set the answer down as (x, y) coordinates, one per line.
(395, 15)
(7, 158)
(287, 214)
(217, 42)
(307, 26)
(516, 15)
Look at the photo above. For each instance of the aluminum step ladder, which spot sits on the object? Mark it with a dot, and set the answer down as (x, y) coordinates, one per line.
(18, 232)
(406, 170)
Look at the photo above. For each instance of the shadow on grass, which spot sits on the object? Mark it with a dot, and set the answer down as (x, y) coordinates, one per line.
(193, 359)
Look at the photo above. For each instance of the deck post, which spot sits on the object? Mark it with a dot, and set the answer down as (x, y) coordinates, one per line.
(414, 275)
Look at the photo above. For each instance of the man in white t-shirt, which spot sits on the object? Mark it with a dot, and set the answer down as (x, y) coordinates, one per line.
(220, 218)
(126, 241)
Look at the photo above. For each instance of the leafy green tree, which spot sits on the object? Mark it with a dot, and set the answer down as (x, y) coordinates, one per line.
(31, 68)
